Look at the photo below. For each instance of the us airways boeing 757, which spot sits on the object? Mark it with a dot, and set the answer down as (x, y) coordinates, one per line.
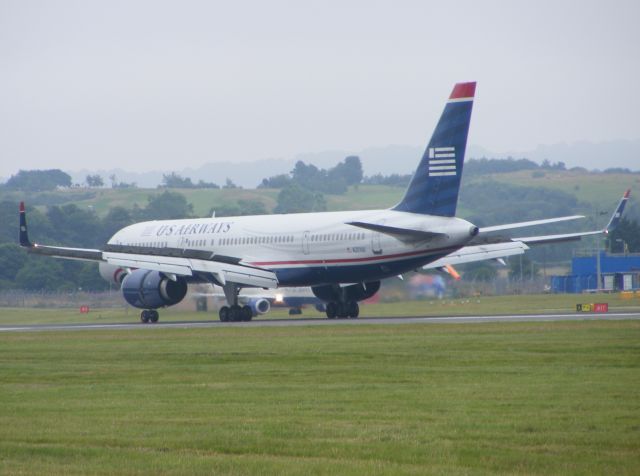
(342, 256)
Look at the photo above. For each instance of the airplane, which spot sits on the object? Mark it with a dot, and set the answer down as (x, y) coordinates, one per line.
(342, 256)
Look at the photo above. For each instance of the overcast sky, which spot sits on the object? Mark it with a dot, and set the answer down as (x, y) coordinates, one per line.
(165, 85)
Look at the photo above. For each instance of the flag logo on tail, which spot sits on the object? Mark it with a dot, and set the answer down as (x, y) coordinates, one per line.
(442, 161)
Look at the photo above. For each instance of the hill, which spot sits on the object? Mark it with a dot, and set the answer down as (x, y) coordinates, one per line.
(591, 191)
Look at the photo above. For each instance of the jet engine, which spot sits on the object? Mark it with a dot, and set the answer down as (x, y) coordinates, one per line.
(146, 289)
(112, 274)
(353, 292)
(259, 306)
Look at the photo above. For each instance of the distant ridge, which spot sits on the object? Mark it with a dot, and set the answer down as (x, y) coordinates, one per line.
(385, 160)
(590, 155)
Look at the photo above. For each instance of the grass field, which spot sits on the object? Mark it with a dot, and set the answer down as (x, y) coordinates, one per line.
(483, 305)
(596, 189)
(507, 398)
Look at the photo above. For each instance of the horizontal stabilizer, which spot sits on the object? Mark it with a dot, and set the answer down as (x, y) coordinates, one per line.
(403, 234)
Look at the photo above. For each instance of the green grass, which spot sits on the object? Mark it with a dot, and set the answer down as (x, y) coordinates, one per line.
(508, 398)
(482, 305)
(597, 189)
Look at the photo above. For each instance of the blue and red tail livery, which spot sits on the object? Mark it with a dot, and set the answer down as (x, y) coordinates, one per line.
(435, 184)
(617, 215)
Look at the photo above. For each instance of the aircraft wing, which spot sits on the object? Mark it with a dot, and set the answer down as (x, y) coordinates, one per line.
(170, 261)
(223, 271)
(523, 224)
(469, 254)
(543, 239)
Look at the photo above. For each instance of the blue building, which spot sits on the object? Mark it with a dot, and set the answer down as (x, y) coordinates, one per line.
(618, 272)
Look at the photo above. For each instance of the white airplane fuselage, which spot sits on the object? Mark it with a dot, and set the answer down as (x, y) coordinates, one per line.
(308, 249)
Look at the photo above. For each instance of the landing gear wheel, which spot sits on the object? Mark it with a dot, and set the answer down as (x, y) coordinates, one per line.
(247, 313)
(223, 313)
(353, 309)
(295, 311)
(144, 317)
(343, 310)
(153, 316)
(235, 313)
(331, 310)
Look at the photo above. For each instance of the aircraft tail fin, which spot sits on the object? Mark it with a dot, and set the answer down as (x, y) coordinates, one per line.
(434, 187)
(24, 232)
(617, 214)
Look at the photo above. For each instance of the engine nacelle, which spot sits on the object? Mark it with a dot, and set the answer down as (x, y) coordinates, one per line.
(353, 292)
(146, 289)
(112, 274)
(259, 306)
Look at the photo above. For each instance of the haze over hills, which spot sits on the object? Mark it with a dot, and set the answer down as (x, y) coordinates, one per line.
(590, 155)
(401, 159)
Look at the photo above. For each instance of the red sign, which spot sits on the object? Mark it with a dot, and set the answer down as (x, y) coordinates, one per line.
(601, 307)
(84, 309)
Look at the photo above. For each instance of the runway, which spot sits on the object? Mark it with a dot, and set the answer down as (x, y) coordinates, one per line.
(322, 322)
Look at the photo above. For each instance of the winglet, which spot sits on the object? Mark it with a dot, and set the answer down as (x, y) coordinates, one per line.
(617, 214)
(24, 234)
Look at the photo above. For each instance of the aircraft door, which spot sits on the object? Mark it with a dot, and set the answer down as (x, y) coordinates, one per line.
(305, 243)
(376, 246)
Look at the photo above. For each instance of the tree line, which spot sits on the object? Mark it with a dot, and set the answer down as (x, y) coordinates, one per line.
(302, 190)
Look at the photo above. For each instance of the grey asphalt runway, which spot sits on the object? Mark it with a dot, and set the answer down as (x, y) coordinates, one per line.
(323, 322)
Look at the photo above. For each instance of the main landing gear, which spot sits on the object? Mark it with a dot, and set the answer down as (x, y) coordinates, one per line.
(235, 313)
(342, 310)
(149, 316)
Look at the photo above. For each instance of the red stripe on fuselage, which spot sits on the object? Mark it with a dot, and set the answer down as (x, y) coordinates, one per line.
(355, 260)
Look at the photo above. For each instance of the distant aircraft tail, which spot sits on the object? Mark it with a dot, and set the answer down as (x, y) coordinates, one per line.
(433, 190)
(617, 214)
